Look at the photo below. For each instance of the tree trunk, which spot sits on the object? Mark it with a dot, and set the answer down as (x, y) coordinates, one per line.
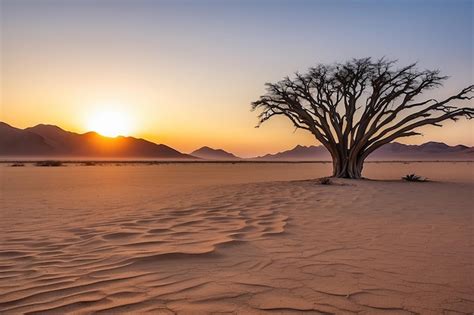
(345, 167)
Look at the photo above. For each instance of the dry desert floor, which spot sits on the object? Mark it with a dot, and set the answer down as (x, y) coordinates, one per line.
(236, 238)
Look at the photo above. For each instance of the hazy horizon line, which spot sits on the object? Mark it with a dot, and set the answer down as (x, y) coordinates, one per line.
(316, 144)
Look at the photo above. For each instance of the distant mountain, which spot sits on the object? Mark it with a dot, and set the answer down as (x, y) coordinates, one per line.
(213, 154)
(14, 141)
(391, 151)
(300, 152)
(52, 141)
(426, 151)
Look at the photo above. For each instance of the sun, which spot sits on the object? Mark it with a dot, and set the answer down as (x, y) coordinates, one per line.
(109, 123)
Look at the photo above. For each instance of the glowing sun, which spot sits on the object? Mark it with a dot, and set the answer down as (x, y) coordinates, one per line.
(109, 123)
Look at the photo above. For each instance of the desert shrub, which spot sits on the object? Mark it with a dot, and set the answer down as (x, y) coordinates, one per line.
(325, 181)
(413, 178)
(49, 163)
(17, 165)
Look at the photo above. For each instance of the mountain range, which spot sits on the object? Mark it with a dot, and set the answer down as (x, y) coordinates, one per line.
(208, 153)
(52, 141)
(391, 151)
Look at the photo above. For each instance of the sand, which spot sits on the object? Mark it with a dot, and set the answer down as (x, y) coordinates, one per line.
(247, 239)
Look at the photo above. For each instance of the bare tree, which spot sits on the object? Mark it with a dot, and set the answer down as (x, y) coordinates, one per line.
(356, 107)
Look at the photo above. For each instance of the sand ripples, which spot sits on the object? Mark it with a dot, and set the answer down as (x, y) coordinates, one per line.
(68, 268)
(292, 247)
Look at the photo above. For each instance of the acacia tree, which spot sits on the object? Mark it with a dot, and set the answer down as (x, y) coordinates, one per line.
(356, 107)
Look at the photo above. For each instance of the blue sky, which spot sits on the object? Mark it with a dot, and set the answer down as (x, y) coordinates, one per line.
(198, 64)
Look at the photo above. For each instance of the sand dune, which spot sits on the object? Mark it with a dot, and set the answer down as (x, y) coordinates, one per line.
(150, 239)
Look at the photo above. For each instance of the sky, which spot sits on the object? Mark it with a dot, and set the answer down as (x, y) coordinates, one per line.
(184, 73)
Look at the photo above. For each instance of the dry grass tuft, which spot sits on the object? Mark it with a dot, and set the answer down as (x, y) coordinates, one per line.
(49, 163)
(414, 178)
(325, 181)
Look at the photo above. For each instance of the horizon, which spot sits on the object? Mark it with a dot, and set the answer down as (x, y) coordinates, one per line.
(236, 156)
(184, 74)
(217, 148)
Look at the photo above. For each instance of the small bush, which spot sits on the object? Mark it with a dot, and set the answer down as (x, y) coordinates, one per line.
(49, 163)
(88, 163)
(17, 165)
(414, 178)
(325, 181)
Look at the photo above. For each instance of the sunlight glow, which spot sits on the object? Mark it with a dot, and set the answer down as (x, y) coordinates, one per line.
(109, 123)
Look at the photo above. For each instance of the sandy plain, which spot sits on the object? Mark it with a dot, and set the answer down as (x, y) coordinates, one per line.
(244, 238)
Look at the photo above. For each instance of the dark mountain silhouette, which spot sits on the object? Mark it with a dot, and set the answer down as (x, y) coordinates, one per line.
(14, 141)
(52, 141)
(429, 150)
(391, 151)
(213, 154)
(300, 152)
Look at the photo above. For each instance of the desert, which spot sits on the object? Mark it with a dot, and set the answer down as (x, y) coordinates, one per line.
(250, 238)
(236, 157)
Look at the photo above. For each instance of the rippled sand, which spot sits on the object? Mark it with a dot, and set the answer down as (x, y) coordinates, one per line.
(251, 238)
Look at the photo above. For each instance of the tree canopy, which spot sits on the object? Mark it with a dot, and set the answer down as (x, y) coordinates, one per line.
(354, 108)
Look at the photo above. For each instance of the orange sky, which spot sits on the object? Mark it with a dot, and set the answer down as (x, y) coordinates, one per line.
(185, 75)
